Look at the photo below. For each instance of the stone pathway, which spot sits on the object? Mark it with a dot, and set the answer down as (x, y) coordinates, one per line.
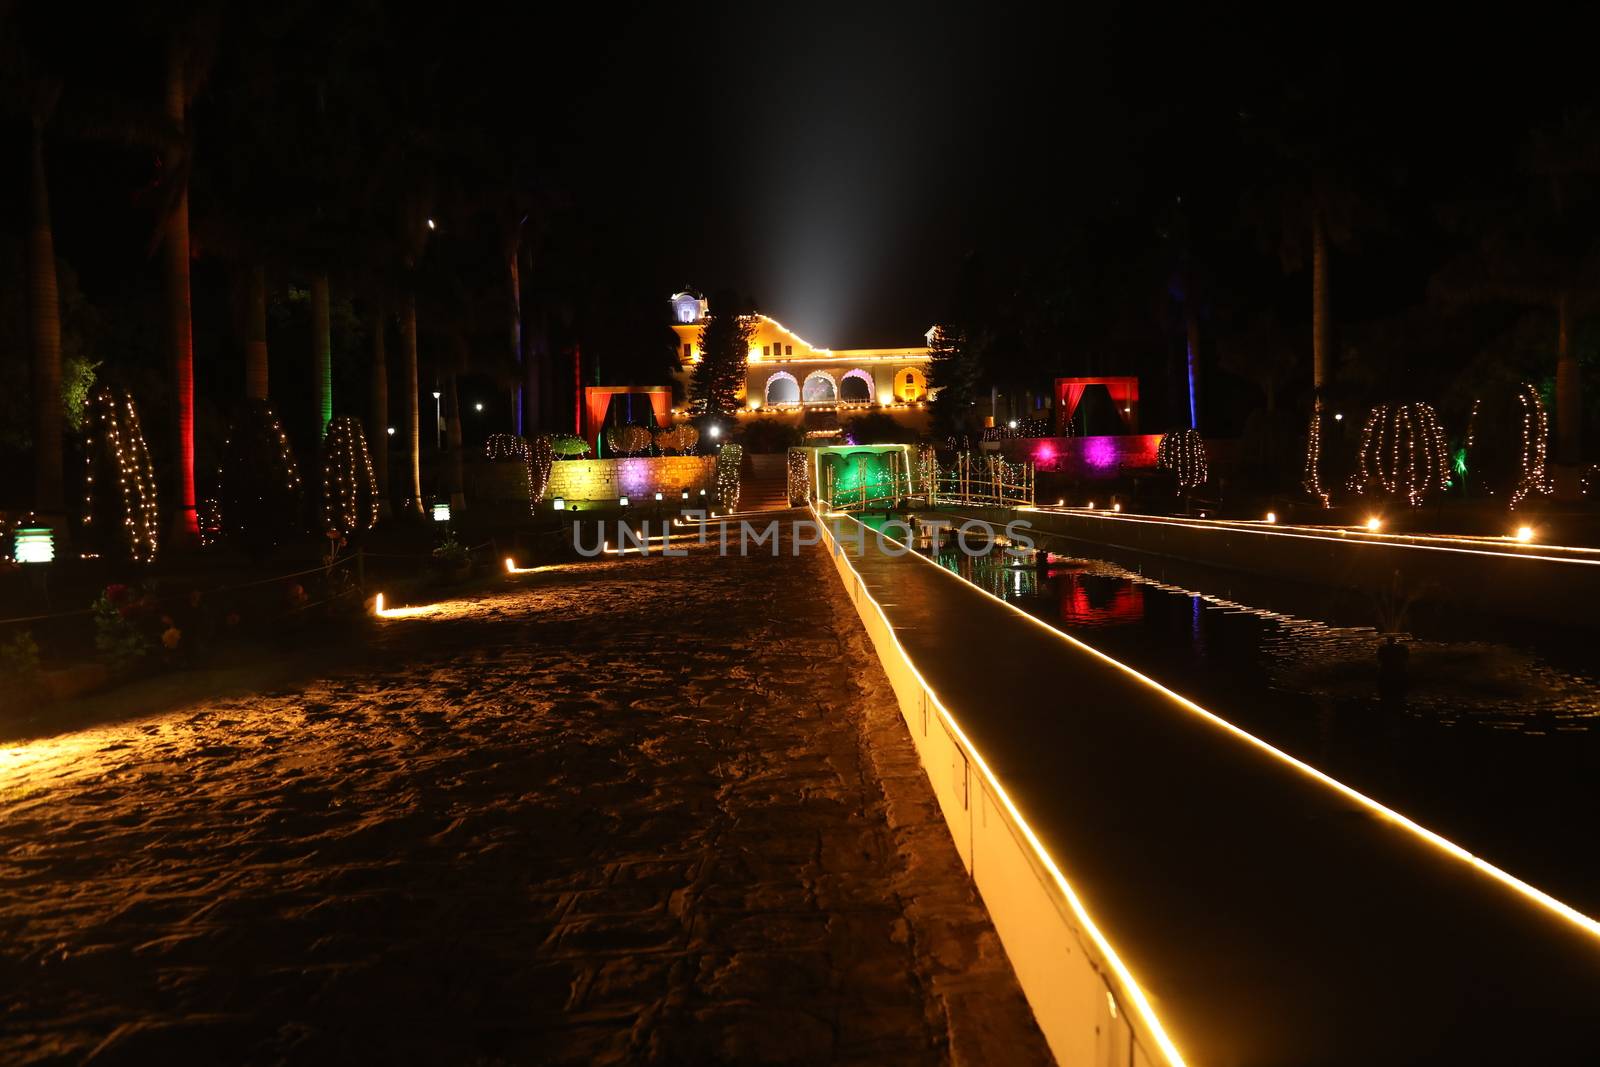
(649, 810)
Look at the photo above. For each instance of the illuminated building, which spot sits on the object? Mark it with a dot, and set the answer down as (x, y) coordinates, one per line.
(788, 373)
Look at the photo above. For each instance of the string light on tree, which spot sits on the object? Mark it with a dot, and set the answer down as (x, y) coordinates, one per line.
(1311, 477)
(1184, 453)
(539, 457)
(1532, 477)
(349, 486)
(1403, 452)
(115, 447)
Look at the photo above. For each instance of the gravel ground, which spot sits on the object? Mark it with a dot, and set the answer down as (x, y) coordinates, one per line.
(648, 810)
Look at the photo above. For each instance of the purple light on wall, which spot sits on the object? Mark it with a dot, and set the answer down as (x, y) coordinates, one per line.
(633, 477)
(1101, 453)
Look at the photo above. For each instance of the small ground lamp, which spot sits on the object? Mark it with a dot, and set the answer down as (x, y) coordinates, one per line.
(1374, 524)
(1524, 534)
(441, 511)
(559, 503)
(35, 544)
(622, 501)
(1272, 516)
(686, 494)
(658, 496)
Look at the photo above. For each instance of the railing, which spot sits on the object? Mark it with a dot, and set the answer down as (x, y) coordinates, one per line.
(984, 481)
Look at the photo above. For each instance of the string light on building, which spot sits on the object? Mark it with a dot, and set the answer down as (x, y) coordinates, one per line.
(1403, 452)
(115, 444)
(349, 485)
(1532, 477)
(1184, 453)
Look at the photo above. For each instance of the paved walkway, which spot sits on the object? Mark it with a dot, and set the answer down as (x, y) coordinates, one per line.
(652, 810)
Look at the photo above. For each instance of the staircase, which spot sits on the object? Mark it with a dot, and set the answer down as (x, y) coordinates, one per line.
(764, 482)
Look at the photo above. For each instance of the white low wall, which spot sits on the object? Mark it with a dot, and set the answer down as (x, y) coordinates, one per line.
(1086, 1012)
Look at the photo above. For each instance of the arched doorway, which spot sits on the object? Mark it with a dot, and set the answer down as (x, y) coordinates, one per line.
(856, 387)
(819, 388)
(782, 389)
(909, 384)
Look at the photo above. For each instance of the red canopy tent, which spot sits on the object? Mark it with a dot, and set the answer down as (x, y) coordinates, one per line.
(1124, 394)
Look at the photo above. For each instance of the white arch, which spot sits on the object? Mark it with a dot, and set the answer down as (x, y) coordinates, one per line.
(820, 375)
(858, 373)
(785, 376)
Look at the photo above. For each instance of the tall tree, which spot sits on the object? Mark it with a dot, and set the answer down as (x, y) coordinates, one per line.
(188, 60)
(1540, 252)
(952, 378)
(321, 351)
(724, 356)
(44, 304)
(378, 410)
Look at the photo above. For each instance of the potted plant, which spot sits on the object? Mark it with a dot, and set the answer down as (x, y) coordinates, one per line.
(451, 563)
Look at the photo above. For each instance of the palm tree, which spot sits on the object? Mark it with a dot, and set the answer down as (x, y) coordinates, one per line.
(44, 313)
(1541, 254)
(188, 56)
(378, 414)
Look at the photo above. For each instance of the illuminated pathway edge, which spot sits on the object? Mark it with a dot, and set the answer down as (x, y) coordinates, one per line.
(1171, 889)
(1496, 576)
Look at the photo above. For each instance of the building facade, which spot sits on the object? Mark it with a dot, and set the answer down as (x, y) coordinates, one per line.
(786, 373)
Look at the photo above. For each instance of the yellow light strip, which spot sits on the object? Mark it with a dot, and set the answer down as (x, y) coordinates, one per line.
(400, 613)
(1584, 922)
(1348, 535)
(1125, 977)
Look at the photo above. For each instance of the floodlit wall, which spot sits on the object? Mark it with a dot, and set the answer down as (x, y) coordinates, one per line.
(1061, 972)
(636, 477)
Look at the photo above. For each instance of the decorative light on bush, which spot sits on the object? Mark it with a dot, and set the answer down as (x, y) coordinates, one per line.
(500, 447)
(34, 544)
(258, 482)
(799, 477)
(1184, 453)
(112, 416)
(627, 440)
(349, 486)
(728, 459)
(1403, 451)
(441, 511)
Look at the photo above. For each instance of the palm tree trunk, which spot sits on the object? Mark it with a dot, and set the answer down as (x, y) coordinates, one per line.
(255, 334)
(514, 292)
(180, 326)
(1321, 354)
(322, 352)
(1569, 401)
(408, 350)
(533, 392)
(44, 310)
(378, 417)
(452, 407)
(1192, 339)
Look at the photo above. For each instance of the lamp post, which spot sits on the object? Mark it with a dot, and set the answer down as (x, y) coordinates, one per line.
(438, 421)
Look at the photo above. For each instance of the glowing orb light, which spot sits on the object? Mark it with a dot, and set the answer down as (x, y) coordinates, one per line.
(1374, 524)
(1524, 534)
(1272, 516)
